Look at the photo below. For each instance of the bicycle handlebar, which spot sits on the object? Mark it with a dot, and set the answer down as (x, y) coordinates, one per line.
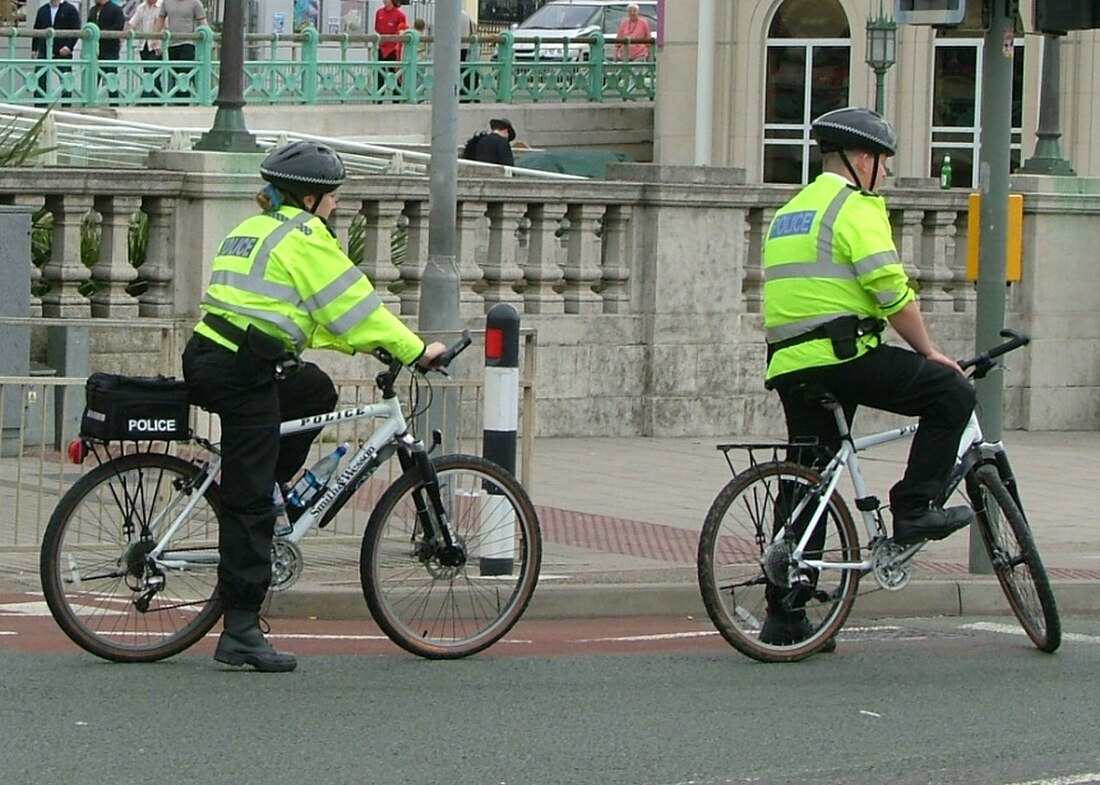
(441, 362)
(983, 363)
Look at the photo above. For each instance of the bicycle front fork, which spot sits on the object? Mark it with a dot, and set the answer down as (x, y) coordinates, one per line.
(431, 513)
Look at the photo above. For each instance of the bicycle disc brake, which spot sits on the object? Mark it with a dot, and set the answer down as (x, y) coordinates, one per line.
(286, 564)
(891, 571)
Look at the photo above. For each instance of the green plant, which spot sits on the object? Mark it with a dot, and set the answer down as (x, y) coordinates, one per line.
(17, 147)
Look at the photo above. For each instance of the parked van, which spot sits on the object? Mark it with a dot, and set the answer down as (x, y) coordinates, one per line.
(560, 19)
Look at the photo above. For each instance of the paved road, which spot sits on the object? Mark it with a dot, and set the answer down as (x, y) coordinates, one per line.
(657, 701)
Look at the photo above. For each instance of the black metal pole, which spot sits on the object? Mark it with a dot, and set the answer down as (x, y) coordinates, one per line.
(229, 133)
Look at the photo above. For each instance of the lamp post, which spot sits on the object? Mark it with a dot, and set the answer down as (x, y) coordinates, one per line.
(882, 52)
(1048, 150)
(229, 133)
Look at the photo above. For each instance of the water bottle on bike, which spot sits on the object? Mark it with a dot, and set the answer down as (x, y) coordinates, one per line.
(313, 479)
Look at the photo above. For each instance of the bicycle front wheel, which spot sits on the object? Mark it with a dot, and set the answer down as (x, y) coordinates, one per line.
(736, 543)
(445, 603)
(100, 585)
(1015, 558)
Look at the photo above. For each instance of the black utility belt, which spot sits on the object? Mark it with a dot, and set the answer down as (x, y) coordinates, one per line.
(258, 342)
(843, 331)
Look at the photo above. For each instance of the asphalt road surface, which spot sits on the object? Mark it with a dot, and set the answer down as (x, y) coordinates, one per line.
(609, 701)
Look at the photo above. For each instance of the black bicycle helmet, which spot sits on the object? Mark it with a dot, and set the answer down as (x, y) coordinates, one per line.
(302, 168)
(854, 128)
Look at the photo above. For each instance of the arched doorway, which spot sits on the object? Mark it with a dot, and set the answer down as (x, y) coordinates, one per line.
(808, 68)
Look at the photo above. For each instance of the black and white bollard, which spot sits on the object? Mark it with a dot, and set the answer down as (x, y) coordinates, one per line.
(500, 424)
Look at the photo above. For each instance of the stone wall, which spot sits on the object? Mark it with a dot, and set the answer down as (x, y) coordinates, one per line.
(644, 291)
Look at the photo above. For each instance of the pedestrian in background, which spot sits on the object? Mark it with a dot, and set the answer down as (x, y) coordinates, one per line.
(144, 20)
(493, 146)
(389, 20)
(108, 17)
(56, 15)
(635, 28)
(180, 17)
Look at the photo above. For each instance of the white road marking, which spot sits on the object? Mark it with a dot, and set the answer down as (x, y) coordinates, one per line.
(1072, 779)
(1012, 629)
(870, 713)
(8, 632)
(39, 608)
(310, 636)
(662, 636)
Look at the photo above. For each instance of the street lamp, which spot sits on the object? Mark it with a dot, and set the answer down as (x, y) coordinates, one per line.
(882, 52)
(229, 133)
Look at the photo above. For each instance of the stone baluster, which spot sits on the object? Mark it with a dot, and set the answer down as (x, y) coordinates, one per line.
(65, 271)
(156, 271)
(908, 225)
(34, 204)
(113, 271)
(582, 264)
(500, 269)
(965, 296)
(380, 221)
(470, 224)
(936, 277)
(752, 280)
(416, 256)
(615, 272)
(340, 221)
(541, 272)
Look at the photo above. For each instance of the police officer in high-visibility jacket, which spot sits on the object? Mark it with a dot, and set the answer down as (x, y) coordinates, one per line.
(832, 277)
(280, 283)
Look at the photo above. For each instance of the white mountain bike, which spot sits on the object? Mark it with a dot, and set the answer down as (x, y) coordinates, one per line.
(448, 563)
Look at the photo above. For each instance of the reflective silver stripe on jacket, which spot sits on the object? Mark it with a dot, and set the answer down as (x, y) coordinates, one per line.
(259, 264)
(794, 329)
(284, 323)
(823, 266)
(333, 292)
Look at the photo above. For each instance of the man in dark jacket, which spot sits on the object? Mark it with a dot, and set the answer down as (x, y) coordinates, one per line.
(108, 16)
(494, 147)
(58, 15)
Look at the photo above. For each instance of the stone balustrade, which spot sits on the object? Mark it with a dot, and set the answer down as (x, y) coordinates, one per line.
(645, 290)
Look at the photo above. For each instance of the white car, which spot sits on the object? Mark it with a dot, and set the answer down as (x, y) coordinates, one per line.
(560, 19)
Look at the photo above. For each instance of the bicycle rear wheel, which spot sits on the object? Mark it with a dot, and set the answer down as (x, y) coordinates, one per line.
(444, 604)
(1015, 558)
(737, 538)
(100, 587)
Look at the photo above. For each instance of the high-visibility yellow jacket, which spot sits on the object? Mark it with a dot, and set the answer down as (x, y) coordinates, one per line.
(285, 273)
(829, 253)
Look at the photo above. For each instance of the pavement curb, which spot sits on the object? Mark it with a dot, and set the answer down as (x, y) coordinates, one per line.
(972, 597)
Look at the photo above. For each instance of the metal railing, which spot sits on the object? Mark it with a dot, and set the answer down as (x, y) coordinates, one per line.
(314, 68)
(39, 415)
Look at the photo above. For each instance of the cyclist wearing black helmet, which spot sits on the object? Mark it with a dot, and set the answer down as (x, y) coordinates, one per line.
(279, 284)
(832, 278)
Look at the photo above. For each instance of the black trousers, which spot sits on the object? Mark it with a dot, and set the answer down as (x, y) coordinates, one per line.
(893, 380)
(181, 52)
(241, 389)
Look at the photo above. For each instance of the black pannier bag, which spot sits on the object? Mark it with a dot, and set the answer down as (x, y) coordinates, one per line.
(135, 408)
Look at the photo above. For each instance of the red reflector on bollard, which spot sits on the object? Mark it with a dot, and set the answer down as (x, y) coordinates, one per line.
(494, 343)
(78, 451)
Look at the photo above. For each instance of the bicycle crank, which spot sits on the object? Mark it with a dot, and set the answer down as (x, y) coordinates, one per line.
(890, 564)
(286, 564)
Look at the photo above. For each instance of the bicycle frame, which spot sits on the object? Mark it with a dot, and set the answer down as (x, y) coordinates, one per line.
(973, 449)
(378, 448)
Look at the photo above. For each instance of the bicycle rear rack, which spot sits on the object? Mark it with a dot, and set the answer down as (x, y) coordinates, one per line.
(795, 452)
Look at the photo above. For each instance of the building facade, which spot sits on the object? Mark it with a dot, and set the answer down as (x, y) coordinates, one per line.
(780, 63)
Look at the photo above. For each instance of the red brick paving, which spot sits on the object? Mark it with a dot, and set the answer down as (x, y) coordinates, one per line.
(679, 546)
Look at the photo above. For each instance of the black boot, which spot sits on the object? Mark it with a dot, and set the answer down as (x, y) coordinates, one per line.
(243, 643)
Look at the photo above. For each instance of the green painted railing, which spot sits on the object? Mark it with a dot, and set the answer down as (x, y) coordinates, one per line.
(311, 68)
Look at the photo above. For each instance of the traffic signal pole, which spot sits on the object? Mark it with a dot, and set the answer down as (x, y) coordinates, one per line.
(993, 184)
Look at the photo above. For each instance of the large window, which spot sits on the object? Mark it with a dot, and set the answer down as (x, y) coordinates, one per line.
(808, 65)
(957, 107)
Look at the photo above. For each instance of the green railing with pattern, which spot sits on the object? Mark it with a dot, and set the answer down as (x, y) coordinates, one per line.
(314, 68)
